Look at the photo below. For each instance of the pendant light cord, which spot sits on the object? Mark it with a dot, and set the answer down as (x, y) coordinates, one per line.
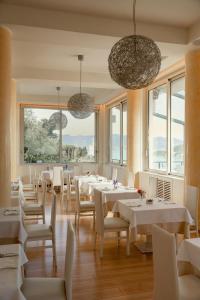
(134, 21)
(80, 75)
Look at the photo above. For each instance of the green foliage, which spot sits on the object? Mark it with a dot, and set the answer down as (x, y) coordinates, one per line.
(41, 142)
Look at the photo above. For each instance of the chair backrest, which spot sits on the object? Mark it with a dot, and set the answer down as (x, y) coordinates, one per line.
(77, 171)
(165, 265)
(53, 213)
(69, 256)
(77, 191)
(44, 191)
(56, 175)
(99, 212)
(192, 200)
(61, 180)
(114, 174)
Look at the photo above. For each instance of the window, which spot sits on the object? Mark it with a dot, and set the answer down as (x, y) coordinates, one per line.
(118, 133)
(166, 127)
(158, 128)
(45, 141)
(177, 125)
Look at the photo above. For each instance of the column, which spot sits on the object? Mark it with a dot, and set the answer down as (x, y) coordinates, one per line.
(192, 118)
(13, 131)
(135, 137)
(5, 93)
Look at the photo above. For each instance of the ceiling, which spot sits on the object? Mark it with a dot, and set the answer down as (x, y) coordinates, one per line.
(48, 35)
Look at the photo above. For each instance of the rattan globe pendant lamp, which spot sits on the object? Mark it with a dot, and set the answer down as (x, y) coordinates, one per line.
(55, 118)
(135, 60)
(81, 105)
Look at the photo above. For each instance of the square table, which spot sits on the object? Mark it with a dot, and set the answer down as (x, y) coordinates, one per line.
(141, 216)
(11, 224)
(110, 195)
(11, 271)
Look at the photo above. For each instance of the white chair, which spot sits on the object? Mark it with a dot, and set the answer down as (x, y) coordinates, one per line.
(71, 192)
(108, 224)
(36, 210)
(44, 232)
(64, 191)
(191, 202)
(83, 208)
(56, 176)
(167, 283)
(53, 288)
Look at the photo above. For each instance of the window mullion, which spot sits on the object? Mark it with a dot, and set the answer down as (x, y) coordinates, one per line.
(121, 134)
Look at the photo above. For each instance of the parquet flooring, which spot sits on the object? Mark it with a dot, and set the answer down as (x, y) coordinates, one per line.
(115, 277)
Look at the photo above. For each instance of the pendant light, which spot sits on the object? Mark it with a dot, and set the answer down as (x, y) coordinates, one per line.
(55, 118)
(81, 105)
(135, 60)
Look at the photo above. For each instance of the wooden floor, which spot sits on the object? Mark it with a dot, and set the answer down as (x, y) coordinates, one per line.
(116, 276)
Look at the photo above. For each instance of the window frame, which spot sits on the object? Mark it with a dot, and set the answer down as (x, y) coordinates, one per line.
(120, 162)
(168, 83)
(96, 137)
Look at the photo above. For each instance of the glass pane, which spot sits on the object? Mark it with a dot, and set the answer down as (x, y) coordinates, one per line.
(78, 139)
(41, 137)
(124, 109)
(115, 133)
(158, 128)
(177, 125)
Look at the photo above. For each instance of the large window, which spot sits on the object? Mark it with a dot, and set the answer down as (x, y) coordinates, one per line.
(48, 140)
(166, 127)
(118, 133)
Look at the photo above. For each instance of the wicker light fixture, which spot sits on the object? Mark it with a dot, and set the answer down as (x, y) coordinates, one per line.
(81, 105)
(55, 118)
(135, 60)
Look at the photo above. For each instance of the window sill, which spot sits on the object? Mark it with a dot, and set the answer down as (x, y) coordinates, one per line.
(162, 174)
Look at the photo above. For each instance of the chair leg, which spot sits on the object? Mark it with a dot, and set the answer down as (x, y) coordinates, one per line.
(101, 245)
(118, 239)
(54, 252)
(95, 239)
(43, 217)
(94, 220)
(127, 243)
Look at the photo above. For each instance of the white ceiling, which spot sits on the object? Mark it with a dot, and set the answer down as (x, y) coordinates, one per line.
(45, 46)
(171, 12)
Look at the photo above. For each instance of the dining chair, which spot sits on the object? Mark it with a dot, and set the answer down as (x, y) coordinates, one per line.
(37, 210)
(192, 204)
(71, 192)
(83, 207)
(53, 288)
(167, 283)
(64, 191)
(108, 224)
(36, 232)
(31, 194)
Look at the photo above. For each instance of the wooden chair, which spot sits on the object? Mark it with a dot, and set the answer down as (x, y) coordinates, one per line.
(83, 208)
(53, 288)
(192, 204)
(167, 283)
(44, 232)
(37, 210)
(108, 224)
(31, 194)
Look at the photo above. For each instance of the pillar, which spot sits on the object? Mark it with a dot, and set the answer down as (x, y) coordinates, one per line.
(135, 137)
(5, 92)
(192, 118)
(13, 131)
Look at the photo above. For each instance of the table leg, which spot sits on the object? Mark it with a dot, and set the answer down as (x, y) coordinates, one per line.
(145, 247)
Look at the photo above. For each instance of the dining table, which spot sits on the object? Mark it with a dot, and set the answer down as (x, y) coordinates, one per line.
(110, 194)
(11, 225)
(143, 213)
(84, 182)
(12, 260)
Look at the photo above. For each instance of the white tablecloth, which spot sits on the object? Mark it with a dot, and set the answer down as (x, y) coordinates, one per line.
(11, 226)
(11, 276)
(84, 182)
(189, 251)
(138, 213)
(112, 195)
